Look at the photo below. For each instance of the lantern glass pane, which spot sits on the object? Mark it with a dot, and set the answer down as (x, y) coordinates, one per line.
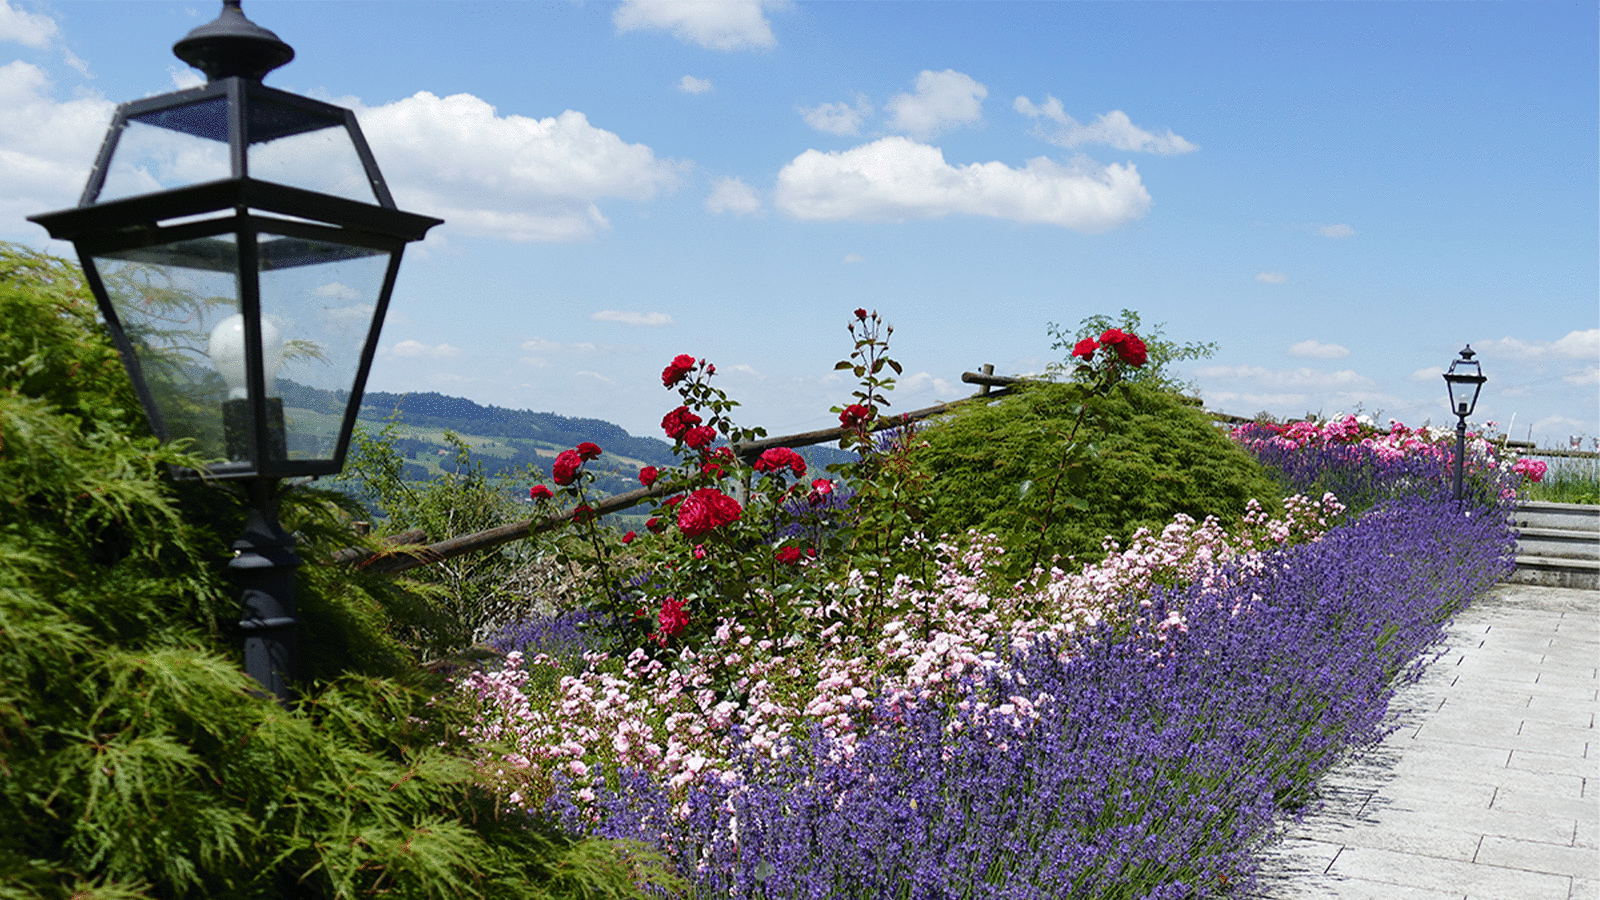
(321, 298)
(168, 149)
(171, 299)
(304, 149)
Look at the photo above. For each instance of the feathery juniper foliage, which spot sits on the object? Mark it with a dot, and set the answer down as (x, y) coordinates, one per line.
(1154, 770)
(136, 759)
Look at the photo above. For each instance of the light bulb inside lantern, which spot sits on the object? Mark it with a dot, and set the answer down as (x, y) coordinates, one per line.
(226, 350)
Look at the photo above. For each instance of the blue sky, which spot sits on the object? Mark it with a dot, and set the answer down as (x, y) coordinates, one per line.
(1339, 195)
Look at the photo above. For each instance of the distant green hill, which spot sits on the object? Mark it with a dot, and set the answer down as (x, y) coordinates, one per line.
(507, 442)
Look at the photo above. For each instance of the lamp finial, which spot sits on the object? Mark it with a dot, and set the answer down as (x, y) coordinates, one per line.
(233, 45)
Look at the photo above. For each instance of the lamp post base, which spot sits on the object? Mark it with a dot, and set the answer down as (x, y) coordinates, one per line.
(263, 567)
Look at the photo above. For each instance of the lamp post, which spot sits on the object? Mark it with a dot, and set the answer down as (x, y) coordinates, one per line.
(236, 237)
(1464, 379)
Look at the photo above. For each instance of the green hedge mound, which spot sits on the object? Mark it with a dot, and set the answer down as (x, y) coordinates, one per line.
(1146, 456)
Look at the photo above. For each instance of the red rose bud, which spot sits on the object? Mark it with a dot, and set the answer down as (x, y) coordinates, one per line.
(628, 538)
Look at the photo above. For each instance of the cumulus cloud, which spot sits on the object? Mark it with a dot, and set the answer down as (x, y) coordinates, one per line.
(838, 118)
(942, 100)
(417, 349)
(25, 28)
(1272, 278)
(895, 179)
(508, 176)
(46, 147)
(732, 195)
(1575, 345)
(1337, 231)
(693, 85)
(1318, 350)
(1113, 129)
(713, 24)
(630, 317)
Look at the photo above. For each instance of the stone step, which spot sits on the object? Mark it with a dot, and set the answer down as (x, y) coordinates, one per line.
(1566, 516)
(1558, 545)
(1552, 571)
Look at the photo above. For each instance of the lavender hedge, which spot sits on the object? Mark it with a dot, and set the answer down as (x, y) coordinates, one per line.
(1156, 772)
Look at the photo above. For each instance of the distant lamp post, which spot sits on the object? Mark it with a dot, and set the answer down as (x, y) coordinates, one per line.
(1464, 379)
(232, 234)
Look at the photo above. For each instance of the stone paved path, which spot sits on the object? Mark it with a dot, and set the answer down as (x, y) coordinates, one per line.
(1489, 789)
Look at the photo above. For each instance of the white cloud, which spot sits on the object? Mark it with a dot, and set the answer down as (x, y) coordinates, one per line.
(590, 373)
(895, 178)
(1575, 345)
(25, 28)
(415, 349)
(838, 118)
(540, 345)
(630, 317)
(508, 176)
(693, 85)
(1113, 129)
(1589, 377)
(713, 24)
(1337, 231)
(1427, 373)
(1579, 344)
(942, 100)
(1319, 350)
(334, 290)
(1272, 278)
(733, 195)
(853, 257)
(46, 147)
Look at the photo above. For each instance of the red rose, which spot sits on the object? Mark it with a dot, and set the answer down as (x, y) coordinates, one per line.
(1112, 337)
(628, 538)
(582, 513)
(655, 525)
(788, 555)
(565, 471)
(820, 489)
(1085, 348)
(853, 415)
(677, 370)
(671, 620)
(678, 421)
(1132, 351)
(700, 437)
(539, 492)
(587, 450)
(781, 457)
(648, 475)
(705, 510)
(712, 470)
(861, 314)
(672, 501)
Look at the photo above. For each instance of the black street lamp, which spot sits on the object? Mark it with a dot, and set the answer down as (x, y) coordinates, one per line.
(1464, 379)
(236, 236)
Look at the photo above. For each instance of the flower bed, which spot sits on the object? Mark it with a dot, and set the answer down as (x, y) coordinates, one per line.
(1141, 767)
(799, 695)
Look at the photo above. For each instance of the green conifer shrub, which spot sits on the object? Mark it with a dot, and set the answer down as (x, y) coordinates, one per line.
(1146, 456)
(136, 758)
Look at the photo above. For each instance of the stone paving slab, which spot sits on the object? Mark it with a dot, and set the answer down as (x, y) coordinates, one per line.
(1489, 786)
